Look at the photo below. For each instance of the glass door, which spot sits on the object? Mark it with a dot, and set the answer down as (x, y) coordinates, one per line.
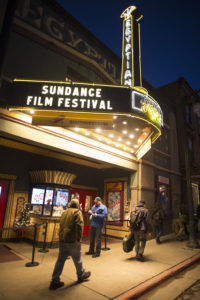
(86, 199)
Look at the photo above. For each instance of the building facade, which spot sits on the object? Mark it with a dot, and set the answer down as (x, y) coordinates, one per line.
(46, 45)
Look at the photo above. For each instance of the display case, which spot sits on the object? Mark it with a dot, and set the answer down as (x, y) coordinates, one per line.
(49, 200)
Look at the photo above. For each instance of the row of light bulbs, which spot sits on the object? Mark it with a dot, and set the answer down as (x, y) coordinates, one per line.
(119, 139)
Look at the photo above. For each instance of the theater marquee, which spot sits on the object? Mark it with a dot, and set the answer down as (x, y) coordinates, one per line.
(123, 118)
(84, 98)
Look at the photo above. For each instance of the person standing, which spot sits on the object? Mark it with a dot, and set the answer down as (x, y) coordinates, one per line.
(70, 235)
(158, 219)
(140, 225)
(98, 214)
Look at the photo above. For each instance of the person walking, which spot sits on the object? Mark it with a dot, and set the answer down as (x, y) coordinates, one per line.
(140, 225)
(97, 213)
(158, 219)
(70, 235)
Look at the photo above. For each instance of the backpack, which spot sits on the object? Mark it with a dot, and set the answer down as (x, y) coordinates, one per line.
(137, 216)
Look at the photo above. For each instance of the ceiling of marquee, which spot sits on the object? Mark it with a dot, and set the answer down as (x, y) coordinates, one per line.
(127, 134)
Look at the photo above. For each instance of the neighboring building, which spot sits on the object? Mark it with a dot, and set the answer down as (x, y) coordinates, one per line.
(47, 165)
(186, 102)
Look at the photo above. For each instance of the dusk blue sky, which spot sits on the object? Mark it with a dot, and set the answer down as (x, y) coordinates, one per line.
(170, 34)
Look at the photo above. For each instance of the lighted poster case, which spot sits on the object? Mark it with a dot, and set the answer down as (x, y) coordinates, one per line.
(114, 202)
(48, 200)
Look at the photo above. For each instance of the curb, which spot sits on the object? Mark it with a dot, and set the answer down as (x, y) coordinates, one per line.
(158, 279)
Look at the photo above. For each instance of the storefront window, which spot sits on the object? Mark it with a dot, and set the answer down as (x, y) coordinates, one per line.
(49, 201)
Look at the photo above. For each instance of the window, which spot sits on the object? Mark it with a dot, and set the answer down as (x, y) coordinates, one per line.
(199, 126)
(187, 114)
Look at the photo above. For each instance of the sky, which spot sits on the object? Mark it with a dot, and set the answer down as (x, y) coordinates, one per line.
(170, 34)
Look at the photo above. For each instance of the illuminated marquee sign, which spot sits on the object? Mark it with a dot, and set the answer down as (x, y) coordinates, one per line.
(131, 70)
(87, 98)
(70, 97)
(146, 105)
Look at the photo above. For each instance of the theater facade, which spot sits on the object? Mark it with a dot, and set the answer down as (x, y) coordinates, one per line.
(77, 121)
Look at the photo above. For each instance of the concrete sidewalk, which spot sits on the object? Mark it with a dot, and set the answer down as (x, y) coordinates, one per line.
(115, 274)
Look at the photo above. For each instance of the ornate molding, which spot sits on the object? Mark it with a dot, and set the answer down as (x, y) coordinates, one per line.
(52, 176)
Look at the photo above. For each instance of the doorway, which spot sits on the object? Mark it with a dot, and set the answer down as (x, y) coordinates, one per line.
(4, 184)
(86, 199)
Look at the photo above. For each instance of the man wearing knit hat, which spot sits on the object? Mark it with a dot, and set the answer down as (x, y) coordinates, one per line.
(70, 235)
(98, 214)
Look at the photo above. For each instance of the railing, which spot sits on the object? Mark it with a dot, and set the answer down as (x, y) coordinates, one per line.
(32, 263)
(44, 249)
(105, 248)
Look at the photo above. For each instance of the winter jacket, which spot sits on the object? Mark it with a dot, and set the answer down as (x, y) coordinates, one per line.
(101, 211)
(145, 224)
(71, 226)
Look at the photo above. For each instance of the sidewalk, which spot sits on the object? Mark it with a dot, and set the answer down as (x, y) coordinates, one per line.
(115, 274)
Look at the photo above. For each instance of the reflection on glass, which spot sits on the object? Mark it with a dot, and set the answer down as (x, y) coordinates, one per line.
(163, 196)
(48, 197)
(37, 196)
(57, 211)
(62, 197)
(88, 201)
(37, 209)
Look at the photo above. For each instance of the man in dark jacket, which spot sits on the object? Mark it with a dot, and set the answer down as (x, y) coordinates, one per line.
(141, 229)
(70, 235)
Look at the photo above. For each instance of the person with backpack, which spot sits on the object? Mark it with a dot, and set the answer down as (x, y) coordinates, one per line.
(158, 219)
(140, 225)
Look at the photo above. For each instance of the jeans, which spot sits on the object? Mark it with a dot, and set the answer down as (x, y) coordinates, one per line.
(65, 250)
(158, 230)
(95, 232)
(140, 241)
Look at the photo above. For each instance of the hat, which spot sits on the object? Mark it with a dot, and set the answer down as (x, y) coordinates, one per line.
(142, 202)
(74, 203)
(97, 199)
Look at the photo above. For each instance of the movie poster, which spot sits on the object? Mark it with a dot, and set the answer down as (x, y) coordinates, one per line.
(114, 205)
